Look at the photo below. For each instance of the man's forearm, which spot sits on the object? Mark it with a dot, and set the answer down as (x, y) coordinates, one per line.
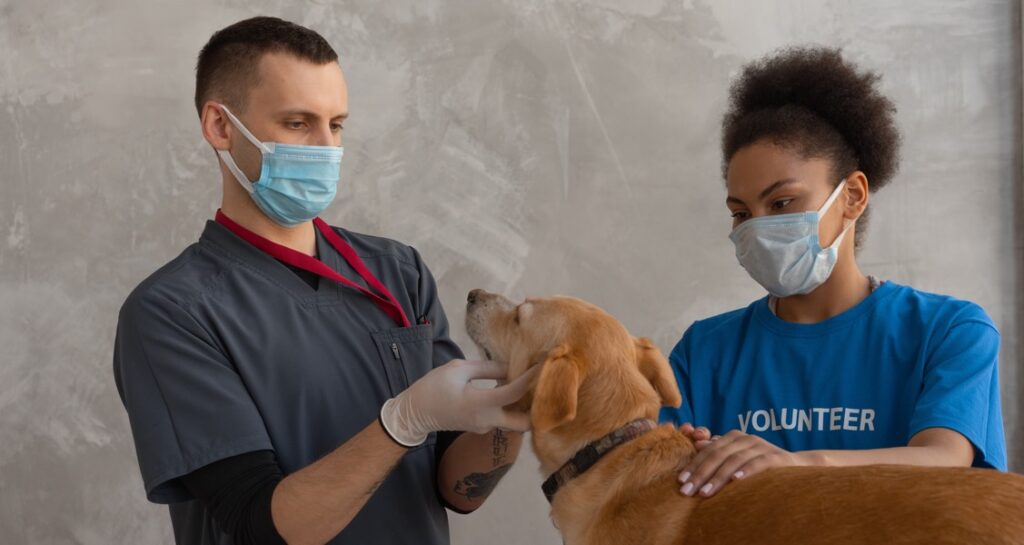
(473, 465)
(315, 503)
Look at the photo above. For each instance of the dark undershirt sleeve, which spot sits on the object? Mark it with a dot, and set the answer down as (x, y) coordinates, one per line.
(237, 491)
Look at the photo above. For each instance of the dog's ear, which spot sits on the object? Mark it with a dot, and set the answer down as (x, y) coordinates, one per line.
(656, 370)
(554, 398)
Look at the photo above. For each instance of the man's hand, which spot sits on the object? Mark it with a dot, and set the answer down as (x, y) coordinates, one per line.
(736, 455)
(445, 399)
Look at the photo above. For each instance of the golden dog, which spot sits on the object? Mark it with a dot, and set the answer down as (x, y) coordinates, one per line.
(597, 378)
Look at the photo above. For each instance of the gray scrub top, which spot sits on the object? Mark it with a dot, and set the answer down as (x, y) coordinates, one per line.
(225, 350)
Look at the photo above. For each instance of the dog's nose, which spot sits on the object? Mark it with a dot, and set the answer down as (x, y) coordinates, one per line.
(474, 295)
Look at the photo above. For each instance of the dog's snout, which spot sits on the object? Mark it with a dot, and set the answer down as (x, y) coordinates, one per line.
(474, 295)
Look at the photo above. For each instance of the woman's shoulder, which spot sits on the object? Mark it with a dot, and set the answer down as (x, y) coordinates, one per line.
(725, 325)
(933, 308)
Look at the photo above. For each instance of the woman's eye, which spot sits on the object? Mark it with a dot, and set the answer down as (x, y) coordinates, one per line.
(780, 204)
(740, 215)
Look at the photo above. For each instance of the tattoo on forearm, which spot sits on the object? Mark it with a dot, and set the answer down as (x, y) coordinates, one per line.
(499, 448)
(480, 485)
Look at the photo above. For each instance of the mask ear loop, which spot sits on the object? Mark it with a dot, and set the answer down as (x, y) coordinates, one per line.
(245, 132)
(832, 198)
(225, 155)
(828, 204)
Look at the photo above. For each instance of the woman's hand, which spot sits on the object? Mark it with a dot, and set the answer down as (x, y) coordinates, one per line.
(697, 435)
(736, 455)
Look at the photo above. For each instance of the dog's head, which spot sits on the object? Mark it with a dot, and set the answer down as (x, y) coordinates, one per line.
(595, 375)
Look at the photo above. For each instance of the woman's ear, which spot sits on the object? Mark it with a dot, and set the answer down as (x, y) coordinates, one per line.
(555, 396)
(856, 190)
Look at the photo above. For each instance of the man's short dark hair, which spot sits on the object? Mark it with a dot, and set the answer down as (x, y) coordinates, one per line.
(228, 65)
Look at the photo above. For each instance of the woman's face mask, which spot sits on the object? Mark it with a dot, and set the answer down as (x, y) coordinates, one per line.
(783, 253)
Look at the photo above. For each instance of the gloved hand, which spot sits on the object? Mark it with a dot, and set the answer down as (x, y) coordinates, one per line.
(444, 399)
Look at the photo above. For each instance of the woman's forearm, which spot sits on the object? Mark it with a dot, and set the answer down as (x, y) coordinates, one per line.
(930, 447)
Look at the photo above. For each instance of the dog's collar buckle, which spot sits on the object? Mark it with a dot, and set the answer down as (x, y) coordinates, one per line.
(589, 455)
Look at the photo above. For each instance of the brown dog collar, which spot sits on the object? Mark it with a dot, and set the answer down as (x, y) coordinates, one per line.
(589, 455)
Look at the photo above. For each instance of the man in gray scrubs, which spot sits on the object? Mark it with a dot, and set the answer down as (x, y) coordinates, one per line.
(287, 380)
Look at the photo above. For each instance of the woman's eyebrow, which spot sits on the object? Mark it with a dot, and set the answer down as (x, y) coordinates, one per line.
(776, 185)
(765, 193)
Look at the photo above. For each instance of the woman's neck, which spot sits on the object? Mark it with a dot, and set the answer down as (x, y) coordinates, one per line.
(845, 288)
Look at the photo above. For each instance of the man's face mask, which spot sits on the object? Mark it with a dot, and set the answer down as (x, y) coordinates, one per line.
(296, 182)
(783, 253)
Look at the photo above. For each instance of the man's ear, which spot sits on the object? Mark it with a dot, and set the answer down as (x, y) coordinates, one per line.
(215, 125)
(656, 370)
(554, 398)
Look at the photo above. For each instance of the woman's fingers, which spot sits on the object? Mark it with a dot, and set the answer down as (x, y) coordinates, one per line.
(733, 457)
(730, 466)
(779, 458)
(695, 433)
(707, 460)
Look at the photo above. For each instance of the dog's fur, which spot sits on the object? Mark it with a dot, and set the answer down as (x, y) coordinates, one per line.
(596, 378)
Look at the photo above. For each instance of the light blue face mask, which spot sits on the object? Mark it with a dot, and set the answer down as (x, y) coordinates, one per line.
(783, 253)
(296, 182)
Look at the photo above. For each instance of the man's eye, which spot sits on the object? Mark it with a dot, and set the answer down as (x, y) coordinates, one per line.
(781, 203)
(295, 124)
(337, 127)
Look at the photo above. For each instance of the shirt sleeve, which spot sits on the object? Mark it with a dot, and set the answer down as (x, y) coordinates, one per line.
(960, 390)
(680, 368)
(186, 403)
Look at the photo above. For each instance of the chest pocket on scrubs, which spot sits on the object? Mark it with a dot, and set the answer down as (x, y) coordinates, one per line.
(406, 353)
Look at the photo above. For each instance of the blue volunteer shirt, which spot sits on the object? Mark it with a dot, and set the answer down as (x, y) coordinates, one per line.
(899, 362)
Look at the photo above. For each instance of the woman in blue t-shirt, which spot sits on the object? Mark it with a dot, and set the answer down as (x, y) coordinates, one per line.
(833, 367)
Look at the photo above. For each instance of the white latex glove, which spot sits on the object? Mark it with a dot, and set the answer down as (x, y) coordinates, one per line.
(444, 399)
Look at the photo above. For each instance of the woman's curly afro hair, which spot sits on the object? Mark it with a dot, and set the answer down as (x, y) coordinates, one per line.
(812, 100)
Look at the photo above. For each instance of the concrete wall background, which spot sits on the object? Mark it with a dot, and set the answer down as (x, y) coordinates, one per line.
(527, 146)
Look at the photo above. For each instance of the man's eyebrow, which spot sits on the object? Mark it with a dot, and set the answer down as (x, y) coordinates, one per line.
(765, 193)
(307, 114)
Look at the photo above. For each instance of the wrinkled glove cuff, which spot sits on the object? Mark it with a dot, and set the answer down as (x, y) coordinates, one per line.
(387, 413)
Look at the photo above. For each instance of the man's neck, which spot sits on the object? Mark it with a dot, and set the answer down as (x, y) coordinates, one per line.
(301, 238)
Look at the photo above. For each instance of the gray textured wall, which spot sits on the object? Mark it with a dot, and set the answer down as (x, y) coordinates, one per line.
(531, 146)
